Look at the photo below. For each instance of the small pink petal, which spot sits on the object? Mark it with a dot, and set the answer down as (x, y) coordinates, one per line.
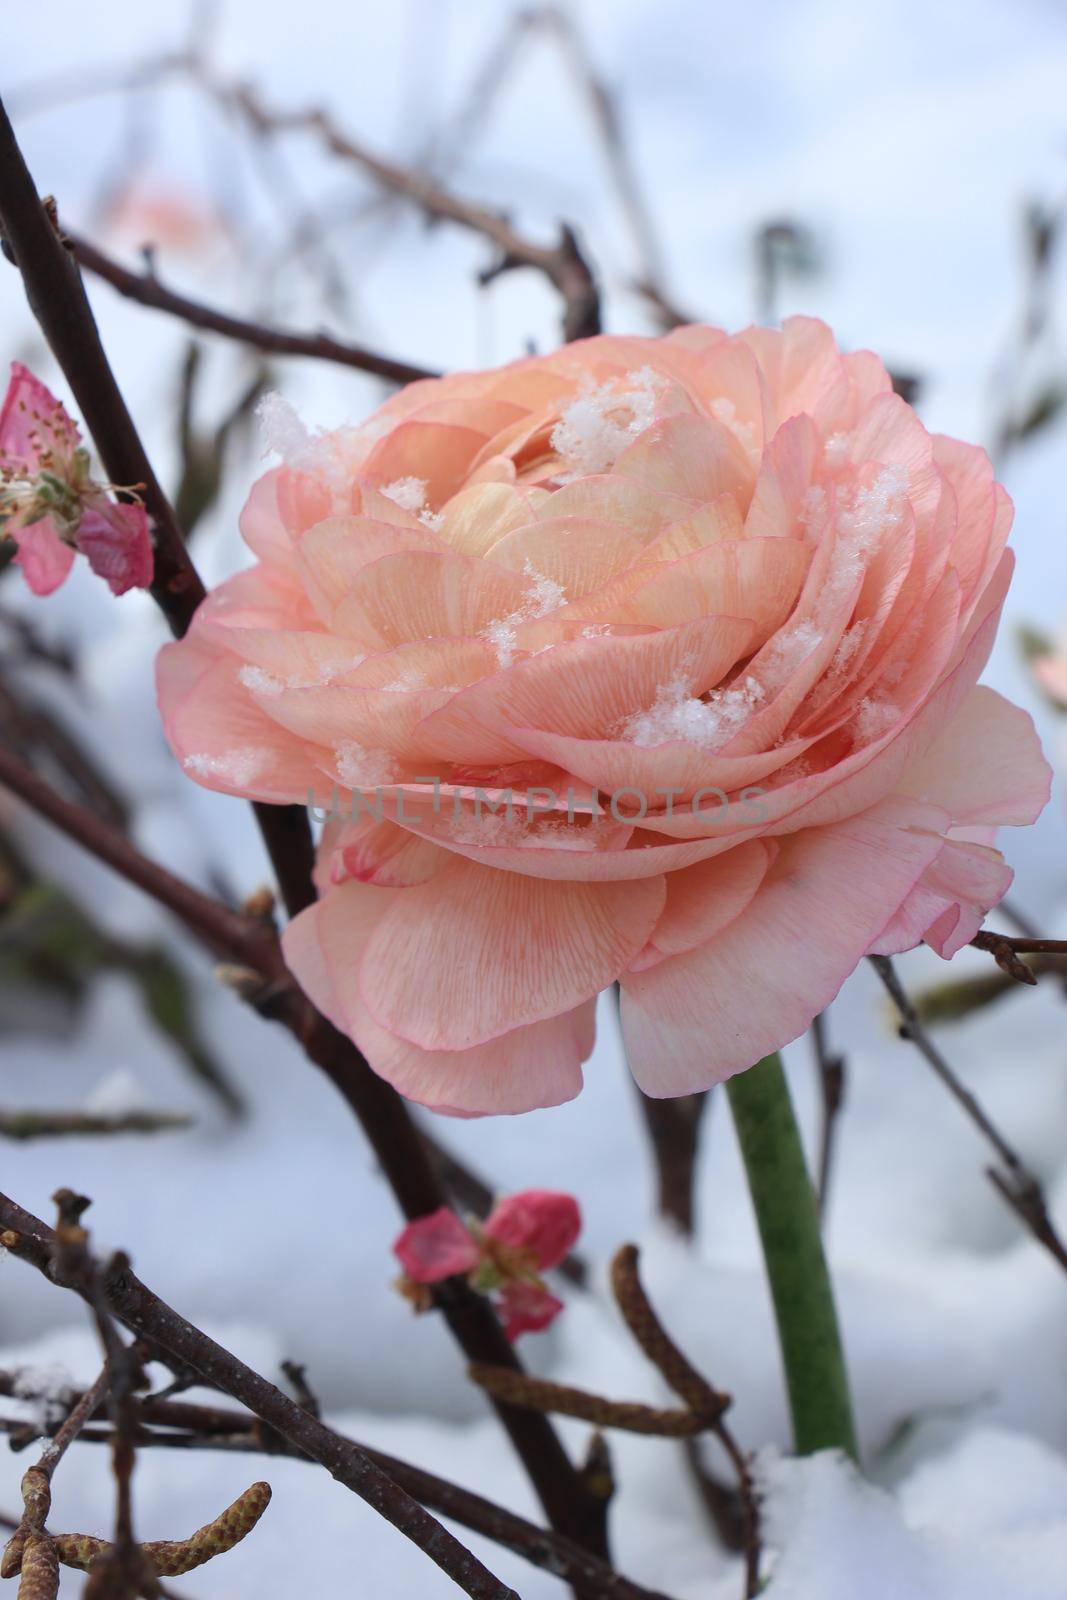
(32, 420)
(541, 1220)
(436, 1247)
(526, 1308)
(44, 558)
(116, 541)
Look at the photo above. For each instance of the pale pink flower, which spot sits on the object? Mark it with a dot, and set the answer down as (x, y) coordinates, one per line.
(653, 571)
(524, 1235)
(51, 506)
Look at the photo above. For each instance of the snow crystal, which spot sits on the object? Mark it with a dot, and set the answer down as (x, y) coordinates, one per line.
(848, 649)
(874, 510)
(280, 429)
(789, 648)
(359, 768)
(873, 718)
(488, 828)
(259, 681)
(407, 493)
(707, 722)
(236, 767)
(813, 507)
(599, 423)
(542, 596)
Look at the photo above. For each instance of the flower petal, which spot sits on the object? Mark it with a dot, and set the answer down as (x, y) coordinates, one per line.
(699, 1018)
(473, 953)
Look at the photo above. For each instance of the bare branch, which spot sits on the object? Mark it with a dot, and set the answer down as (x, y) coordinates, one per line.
(1018, 1184)
(562, 264)
(147, 290)
(25, 1125)
(127, 1299)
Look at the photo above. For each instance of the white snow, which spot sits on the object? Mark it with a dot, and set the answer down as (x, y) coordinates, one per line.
(543, 595)
(260, 681)
(707, 722)
(601, 421)
(238, 767)
(360, 768)
(407, 493)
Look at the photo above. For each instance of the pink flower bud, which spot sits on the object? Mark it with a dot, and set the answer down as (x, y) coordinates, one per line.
(541, 1220)
(435, 1247)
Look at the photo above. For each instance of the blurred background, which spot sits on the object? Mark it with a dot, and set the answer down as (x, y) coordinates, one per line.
(899, 169)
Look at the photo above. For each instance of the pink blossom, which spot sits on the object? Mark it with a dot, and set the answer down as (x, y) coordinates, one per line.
(51, 506)
(539, 1220)
(525, 1234)
(526, 1308)
(436, 1247)
(731, 581)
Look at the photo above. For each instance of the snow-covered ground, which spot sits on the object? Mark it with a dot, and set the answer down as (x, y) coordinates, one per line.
(908, 136)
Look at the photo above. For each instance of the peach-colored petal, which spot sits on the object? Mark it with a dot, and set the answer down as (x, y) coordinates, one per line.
(949, 903)
(474, 954)
(702, 1016)
(584, 688)
(519, 1071)
(755, 578)
(333, 552)
(421, 594)
(985, 765)
(692, 456)
(219, 734)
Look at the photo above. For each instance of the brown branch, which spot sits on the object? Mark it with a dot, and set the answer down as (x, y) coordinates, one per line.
(563, 264)
(1017, 1184)
(147, 290)
(25, 1125)
(543, 1394)
(127, 1299)
(673, 1128)
(225, 1429)
(691, 1385)
(228, 933)
(831, 1070)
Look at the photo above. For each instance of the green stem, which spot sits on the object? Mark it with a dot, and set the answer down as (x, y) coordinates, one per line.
(788, 1220)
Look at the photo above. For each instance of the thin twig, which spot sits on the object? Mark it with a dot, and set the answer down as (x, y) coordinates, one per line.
(228, 933)
(562, 264)
(1017, 1184)
(25, 1125)
(184, 1426)
(147, 290)
(127, 1299)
